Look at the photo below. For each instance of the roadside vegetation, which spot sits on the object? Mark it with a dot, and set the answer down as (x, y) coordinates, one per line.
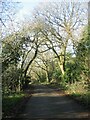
(47, 50)
(10, 102)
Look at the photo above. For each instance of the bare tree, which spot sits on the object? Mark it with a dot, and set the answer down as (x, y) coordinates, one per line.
(61, 23)
(8, 9)
(45, 62)
(32, 36)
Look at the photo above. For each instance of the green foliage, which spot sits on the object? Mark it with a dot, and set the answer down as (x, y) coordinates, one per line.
(42, 77)
(83, 97)
(78, 92)
(11, 78)
(10, 102)
(21, 49)
(83, 56)
(77, 68)
(77, 73)
(57, 75)
(11, 56)
(72, 72)
(11, 50)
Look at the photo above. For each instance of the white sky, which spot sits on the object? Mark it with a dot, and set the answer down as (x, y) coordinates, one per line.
(26, 9)
(29, 5)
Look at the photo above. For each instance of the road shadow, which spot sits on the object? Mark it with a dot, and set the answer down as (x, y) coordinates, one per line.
(46, 103)
(49, 104)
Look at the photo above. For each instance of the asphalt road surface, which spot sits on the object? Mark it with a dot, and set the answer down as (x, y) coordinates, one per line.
(48, 103)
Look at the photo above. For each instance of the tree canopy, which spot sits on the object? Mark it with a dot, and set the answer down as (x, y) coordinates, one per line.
(39, 52)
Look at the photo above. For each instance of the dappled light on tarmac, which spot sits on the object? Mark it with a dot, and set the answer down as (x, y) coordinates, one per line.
(47, 93)
(48, 103)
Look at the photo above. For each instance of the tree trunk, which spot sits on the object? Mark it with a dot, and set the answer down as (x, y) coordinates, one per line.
(30, 62)
(47, 76)
(61, 68)
(61, 63)
(19, 86)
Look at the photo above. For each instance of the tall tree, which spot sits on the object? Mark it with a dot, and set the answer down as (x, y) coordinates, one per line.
(61, 22)
(82, 56)
(45, 62)
(8, 9)
(32, 36)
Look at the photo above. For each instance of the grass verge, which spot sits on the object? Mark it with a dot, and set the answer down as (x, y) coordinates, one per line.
(82, 98)
(13, 104)
(80, 94)
(76, 92)
(9, 103)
